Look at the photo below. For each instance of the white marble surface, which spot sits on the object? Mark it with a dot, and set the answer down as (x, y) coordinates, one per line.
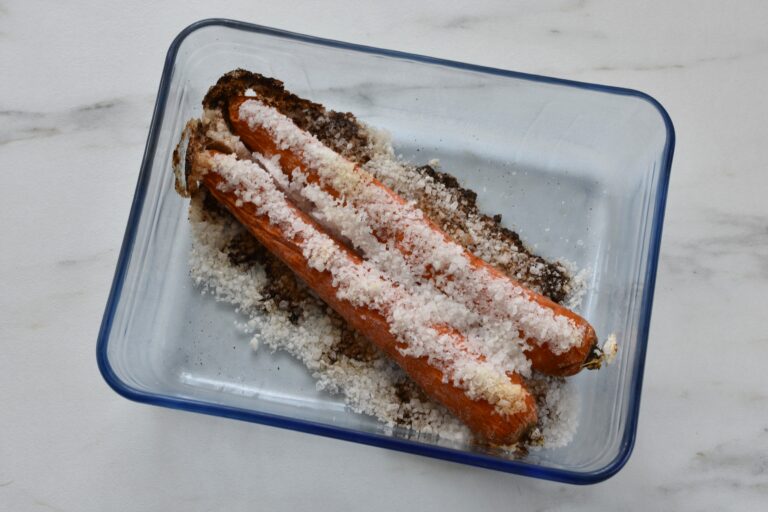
(76, 96)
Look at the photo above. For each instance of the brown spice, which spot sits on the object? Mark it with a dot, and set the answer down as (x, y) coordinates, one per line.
(339, 130)
(352, 345)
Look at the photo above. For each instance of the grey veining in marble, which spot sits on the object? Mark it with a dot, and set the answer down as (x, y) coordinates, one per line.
(76, 98)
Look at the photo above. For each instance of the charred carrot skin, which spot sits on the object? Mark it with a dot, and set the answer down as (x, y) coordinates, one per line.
(542, 357)
(479, 415)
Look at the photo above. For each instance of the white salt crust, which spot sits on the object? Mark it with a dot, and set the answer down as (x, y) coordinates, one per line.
(477, 362)
(558, 409)
(365, 213)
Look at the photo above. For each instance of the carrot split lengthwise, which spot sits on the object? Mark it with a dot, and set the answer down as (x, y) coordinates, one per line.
(469, 335)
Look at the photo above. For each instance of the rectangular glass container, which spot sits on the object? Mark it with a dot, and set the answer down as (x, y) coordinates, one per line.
(579, 170)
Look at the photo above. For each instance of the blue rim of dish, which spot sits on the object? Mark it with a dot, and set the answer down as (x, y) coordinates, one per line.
(475, 459)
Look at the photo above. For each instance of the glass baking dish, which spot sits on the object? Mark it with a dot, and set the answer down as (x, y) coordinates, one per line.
(579, 170)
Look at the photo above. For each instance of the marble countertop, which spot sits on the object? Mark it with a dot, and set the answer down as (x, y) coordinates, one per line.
(76, 98)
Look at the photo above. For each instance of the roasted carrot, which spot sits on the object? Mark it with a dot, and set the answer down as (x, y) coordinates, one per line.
(543, 356)
(481, 416)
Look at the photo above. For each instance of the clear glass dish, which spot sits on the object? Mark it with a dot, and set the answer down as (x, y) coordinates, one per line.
(579, 170)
